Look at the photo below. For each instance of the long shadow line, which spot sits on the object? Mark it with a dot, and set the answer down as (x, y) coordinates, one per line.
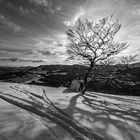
(69, 125)
(104, 112)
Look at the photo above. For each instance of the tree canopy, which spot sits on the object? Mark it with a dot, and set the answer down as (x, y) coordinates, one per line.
(94, 42)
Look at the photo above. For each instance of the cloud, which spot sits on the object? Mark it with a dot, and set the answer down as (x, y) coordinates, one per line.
(60, 45)
(41, 2)
(11, 53)
(5, 21)
(46, 53)
(80, 13)
(21, 60)
(47, 5)
(4, 52)
(27, 56)
(136, 12)
(39, 52)
(58, 8)
(50, 45)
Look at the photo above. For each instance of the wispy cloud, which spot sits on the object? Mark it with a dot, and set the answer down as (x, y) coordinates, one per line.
(10, 24)
(21, 60)
(75, 18)
(41, 2)
(136, 12)
(47, 5)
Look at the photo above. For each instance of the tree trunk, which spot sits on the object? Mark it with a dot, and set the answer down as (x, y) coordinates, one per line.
(86, 78)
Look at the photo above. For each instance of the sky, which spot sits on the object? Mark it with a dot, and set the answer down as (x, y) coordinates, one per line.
(33, 32)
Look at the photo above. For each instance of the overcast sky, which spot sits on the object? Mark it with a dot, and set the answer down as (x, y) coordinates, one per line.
(33, 31)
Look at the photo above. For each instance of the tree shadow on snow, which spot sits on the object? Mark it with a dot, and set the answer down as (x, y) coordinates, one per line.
(67, 90)
(64, 125)
(25, 124)
(113, 121)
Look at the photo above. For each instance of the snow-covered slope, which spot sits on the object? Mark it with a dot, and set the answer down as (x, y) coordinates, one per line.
(113, 117)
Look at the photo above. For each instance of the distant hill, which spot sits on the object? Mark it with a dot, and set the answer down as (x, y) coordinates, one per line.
(135, 65)
(50, 75)
(44, 73)
(60, 75)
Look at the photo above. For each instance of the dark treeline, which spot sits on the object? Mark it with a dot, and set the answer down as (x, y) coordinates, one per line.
(111, 79)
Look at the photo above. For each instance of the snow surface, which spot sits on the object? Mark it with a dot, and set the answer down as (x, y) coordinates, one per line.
(113, 117)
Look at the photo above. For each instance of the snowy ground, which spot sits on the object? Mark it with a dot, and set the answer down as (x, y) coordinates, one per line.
(113, 117)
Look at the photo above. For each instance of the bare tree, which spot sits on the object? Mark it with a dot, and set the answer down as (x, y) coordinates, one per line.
(123, 68)
(126, 60)
(92, 43)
